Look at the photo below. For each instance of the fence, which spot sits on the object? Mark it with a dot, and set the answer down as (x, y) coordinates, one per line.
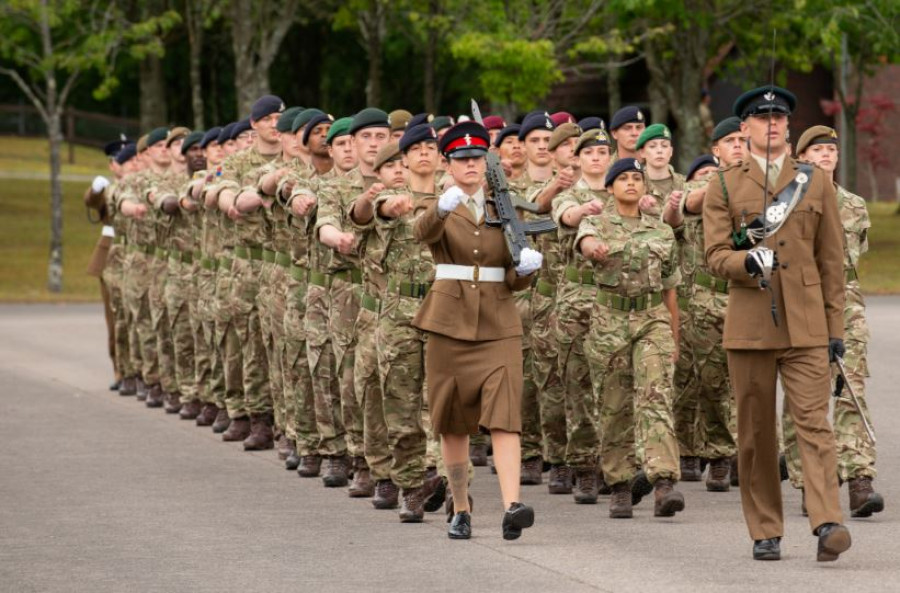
(79, 127)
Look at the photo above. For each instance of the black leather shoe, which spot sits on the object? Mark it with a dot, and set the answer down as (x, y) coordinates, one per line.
(515, 519)
(767, 549)
(834, 540)
(460, 526)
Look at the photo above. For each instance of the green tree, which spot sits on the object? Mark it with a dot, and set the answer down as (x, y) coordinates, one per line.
(46, 46)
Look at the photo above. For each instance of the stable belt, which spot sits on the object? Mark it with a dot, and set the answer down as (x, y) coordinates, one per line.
(225, 262)
(370, 303)
(469, 273)
(415, 290)
(268, 256)
(852, 275)
(145, 249)
(621, 303)
(186, 257)
(209, 263)
(283, 259)
(545, 289)
(299, 273)
(579, 276)
(353, 275)
(711, 282)
(119, 240)
(248, 252)
(161, 253)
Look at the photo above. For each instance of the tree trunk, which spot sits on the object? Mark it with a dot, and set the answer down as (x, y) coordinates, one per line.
(429, 74)
(55, 266)
(659, 106)
(613, 90)
(194, 25)
(850, 141)
(372, 25)
(152, 94)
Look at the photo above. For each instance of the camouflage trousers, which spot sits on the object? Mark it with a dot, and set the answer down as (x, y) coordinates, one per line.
(547, 381)
(855, 452)
(113, 276)
(342, 316)
(574, 306)
(271, 297)
(210, 379)
(247, 325)
(705, 415)
(228, 344)
(165, 348)
(300, 409)
(531, 438)
(401, 358)
(631, 369)
(323, 372)
(181, 295)
(367, 383)
(137, 300)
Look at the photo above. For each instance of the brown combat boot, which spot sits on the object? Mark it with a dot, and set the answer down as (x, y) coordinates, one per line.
(222, 421)
(238, 430)
(260, 437)
(691, 470)
(362, 485)
(129, 386)
(190, 410)
(863, 499)
(284, 446)
(717, 478)
(207, 415)
(413, 510)
(668, 501)
(531, 472)
(336, 468)
(155, 397)
(439, 490)
(142, 390)
(586, 485)
(478, 455)
(173, 402)
(310, 466)
(386, 495)
(620, 506)
(559, 480)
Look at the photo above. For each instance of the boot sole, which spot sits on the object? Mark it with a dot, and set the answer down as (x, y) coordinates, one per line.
(306, 474)
(386, 506)
(586, 500)
(767, 556)
(875, 504)
(335, 483)
(361, 493)
(621, 515)
(412, 519)
(720, 487)
(522, 519)
(669, 507)
(835, 544)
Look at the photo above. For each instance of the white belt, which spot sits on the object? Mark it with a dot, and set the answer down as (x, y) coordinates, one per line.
(469, 273)
(108, 231)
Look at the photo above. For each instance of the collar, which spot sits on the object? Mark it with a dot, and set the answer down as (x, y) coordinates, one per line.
(477, 196)
(761, 161)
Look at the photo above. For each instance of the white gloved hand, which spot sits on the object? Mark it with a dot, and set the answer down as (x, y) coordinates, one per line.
(529, 261)
(449, 200)
(99, 184)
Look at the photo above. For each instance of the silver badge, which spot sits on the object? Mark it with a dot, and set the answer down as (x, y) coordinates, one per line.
(770, 96)
(775, 213)
(637, 165)
(639, 116)
(801, 178)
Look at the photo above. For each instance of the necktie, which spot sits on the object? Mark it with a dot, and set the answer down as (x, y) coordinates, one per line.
(473, 209)
(774, 170)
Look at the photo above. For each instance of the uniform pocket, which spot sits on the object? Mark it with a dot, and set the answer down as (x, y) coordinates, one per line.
(814, 302)
(808, 215)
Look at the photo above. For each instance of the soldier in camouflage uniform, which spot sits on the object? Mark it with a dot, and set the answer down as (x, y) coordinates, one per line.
(575, 301)
(631, 344)
(855, 450)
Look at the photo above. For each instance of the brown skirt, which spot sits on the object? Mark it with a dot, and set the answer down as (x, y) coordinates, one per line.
(474, 384)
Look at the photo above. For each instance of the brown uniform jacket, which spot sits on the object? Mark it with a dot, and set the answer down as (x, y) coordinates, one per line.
(97, 202)
(809, 283)
(473, 311)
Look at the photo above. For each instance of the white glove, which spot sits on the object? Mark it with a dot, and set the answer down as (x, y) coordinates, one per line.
(449, 200)
(99, 184)
(529, 261)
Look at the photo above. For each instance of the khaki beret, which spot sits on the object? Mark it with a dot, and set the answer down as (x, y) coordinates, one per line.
(816, 135)
(389, 152)
(562, 133)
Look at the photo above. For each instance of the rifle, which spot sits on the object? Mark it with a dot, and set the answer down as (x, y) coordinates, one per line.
(843, 381)
(515, 230)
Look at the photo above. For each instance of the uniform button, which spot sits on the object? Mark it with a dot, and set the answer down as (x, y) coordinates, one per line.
(784, 265)
(474, 251)
(477, 233)
(781, 243)
(474, 286)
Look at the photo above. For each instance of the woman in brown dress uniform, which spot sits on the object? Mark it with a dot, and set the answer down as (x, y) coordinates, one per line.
(473, 358)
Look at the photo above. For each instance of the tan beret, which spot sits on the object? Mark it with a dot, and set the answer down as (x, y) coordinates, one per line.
(142, 143)
(816, 135)
(389, 152)
(176, 133)
(398, 119)
(562, 133)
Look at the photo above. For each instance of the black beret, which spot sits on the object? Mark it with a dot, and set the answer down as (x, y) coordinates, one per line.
(626, 115)
(191, 139)
(111, 149)
(535, 121)
(764, 100)
(240, 127)
(266, 105)
(312, 123)
(225, 134)
(157, 135)
(727, 126)
(622, 166)
(421, 118)
(704, 160)
(592, 123)
(370, 117)
(286, 119)
(465, 139)
(128, 152)
(416, 134)
(211, 135)
(510, 130)
(303, 118)
(442, 121)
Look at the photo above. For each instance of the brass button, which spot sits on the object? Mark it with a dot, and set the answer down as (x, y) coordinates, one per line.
(781, 243)
(474, 286)
(477, 233)
(474, 251)
(784, 265)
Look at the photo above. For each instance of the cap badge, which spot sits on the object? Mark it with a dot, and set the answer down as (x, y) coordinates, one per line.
(549, 124)
(666, 134)
(833, 134)
(282, 107)
(639, 116)
(433, 132)
(468, 139)
(637, 163)
(770, 96)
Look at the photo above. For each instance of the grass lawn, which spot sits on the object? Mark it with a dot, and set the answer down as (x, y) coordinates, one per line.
(880, 267)
(33, 155)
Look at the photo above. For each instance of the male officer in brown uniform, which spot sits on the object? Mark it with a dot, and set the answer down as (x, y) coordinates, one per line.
(793, 327)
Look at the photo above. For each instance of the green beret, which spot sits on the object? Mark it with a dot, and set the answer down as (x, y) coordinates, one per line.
(303, 118)
(157, 135)
(652, 132)
(442, 121)
(727, 126)
(191, 139)
(370, 117)
(286, 119)
(339, 128)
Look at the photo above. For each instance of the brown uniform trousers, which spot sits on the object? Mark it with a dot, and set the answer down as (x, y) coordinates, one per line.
(809, 296)
(97, 202)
